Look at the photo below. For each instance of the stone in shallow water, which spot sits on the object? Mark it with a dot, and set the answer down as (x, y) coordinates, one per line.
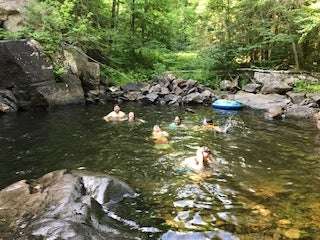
(218, 234)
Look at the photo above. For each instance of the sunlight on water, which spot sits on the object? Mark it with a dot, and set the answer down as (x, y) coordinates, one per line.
(265, 184)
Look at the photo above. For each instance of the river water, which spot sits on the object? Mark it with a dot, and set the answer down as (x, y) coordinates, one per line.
(266, 183)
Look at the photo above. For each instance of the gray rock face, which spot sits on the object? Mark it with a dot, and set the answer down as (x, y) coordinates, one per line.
(63, 205)
(88, 72)
(296, 98)
(252, 88)
(8, 102)
(261, 101)
(26, 71)
(300, 112)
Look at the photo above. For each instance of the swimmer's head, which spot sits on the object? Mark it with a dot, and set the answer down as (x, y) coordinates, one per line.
(177, 120)
(204, 155)
(207, 121)
(156, 128)
(131, 116)
(116, 108)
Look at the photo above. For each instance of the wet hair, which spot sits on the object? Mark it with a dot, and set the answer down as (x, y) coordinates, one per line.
(209, 120)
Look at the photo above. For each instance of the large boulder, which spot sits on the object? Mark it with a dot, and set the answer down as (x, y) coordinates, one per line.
(261, 101)
(88, 72)
(63, 205)
(69, 90)
(300, 112)
(275, 87)
(27, 71)
(12, 14)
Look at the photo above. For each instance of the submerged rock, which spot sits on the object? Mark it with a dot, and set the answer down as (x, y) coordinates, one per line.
(63, 205)
(218, 234)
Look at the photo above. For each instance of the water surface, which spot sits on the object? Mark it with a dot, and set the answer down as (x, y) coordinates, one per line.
(266, 184)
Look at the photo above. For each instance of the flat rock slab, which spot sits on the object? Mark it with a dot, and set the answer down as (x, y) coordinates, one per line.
(261, 101)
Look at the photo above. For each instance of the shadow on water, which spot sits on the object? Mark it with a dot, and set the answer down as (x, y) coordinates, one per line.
(265, 185)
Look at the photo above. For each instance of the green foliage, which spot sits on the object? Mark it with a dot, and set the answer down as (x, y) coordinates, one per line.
(199, 39)
(302, 86)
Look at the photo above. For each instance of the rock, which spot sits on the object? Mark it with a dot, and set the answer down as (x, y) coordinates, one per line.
(27, 71)
(228, 85)
(164, 91)
(193, 98)
(309, 103)
(88, 72)
(177, 91)
(12, 14)
(172, 99)
(296, 98)
(275, 112)
(69, 90)
(150, 98)
(63, 205)
(155, 89)
(252, 88)
(261, 101)
(217, 234)
(133, 87)
(315, 97)
(8, 102)
(133, 95)
(275, 87)
(301, 112)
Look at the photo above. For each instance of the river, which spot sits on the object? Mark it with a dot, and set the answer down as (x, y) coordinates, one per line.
(266, 184)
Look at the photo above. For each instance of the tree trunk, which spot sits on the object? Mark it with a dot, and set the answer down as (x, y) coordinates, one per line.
(133, 17)
(296, 56)
(114, 14)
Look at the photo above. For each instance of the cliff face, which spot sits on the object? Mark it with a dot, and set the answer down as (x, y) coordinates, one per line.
(27, 79)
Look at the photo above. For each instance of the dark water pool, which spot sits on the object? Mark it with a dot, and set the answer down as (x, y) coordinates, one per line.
(266, 184)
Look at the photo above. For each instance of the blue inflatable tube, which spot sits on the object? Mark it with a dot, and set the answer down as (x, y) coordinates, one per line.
(227, 104)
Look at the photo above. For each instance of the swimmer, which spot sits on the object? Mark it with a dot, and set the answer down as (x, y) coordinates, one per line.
(132, 118)
(116, 115)
(201, 161)
(207, 124)
(159, 136)
(177, 123)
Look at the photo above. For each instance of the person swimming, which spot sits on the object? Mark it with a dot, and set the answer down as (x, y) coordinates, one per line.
(207, 124)
(159, 136)
(116, 115)
(201, 161)
(176, 123)
(132, 118)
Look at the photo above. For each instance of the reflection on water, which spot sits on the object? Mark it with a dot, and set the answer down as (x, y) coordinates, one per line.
(265, 185)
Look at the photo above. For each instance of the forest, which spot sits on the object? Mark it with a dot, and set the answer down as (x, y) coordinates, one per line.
(199, 39)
